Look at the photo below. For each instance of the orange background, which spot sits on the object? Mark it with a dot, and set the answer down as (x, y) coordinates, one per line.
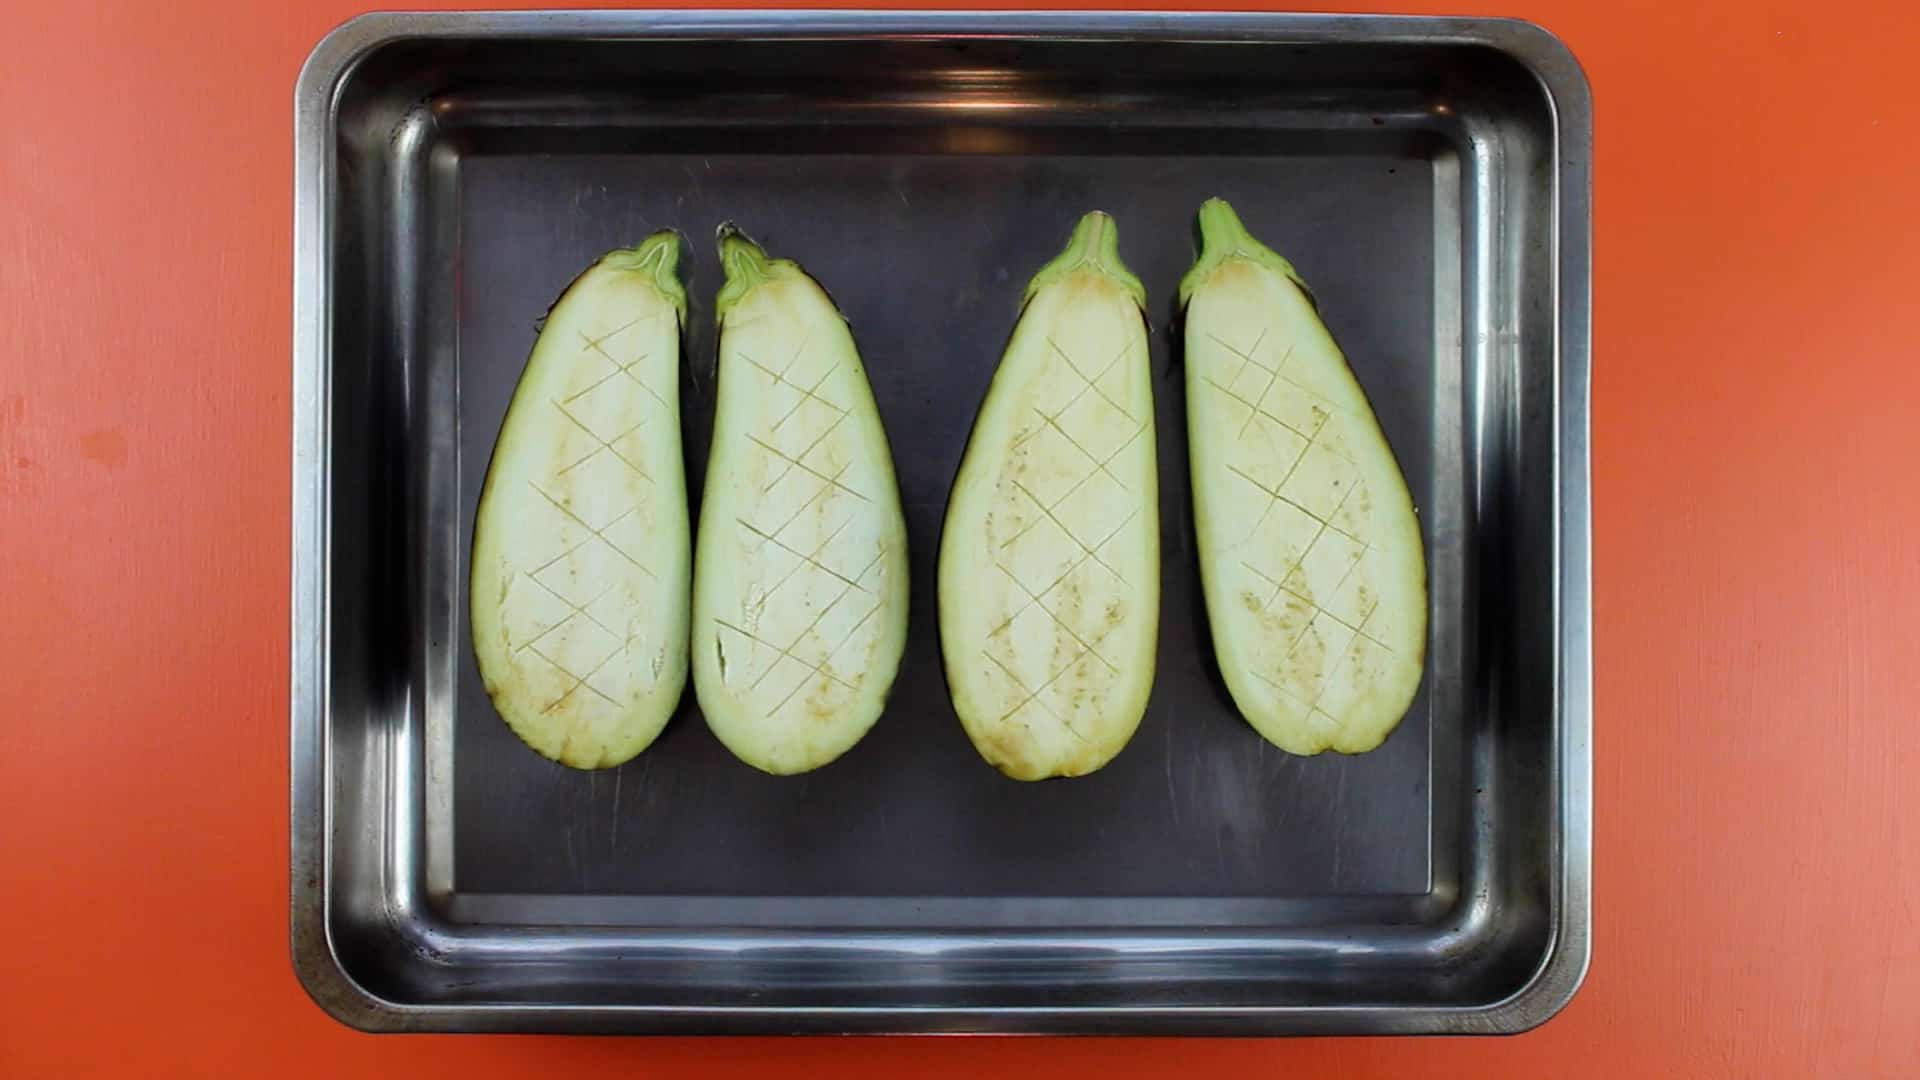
(1756, 368)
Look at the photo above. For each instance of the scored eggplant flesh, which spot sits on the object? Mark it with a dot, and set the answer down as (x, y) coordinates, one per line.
(578, 588)
(800, 590)
(1310, 552)
(1049, 579)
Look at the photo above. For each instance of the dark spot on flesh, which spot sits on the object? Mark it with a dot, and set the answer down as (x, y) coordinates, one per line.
(1280, 623)
(1071, 613)
(1307, 664)
(818, 708)
(1007, 750)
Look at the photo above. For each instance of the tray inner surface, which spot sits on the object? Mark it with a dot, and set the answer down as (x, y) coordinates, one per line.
(927, 254)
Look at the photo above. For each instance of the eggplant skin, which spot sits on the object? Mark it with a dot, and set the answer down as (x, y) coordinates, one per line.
(800, 579)
(1049, 577)
(579, 580)
(1311, 556)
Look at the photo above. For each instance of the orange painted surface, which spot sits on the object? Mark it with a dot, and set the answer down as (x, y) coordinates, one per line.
(1757, 576)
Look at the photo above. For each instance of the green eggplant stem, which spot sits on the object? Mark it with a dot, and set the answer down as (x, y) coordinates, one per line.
(1095, 247)
(747, 268)
(658, 259)
(1223, 238)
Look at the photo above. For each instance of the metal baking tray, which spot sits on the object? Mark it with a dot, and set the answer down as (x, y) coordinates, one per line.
(1428, 176)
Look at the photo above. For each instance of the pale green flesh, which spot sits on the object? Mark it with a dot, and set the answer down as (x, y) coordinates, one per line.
(579, 582)
(1049, 555)
(1310, 553)
(800, 592)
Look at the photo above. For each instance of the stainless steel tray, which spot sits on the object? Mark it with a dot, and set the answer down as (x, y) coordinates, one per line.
(1429, 177)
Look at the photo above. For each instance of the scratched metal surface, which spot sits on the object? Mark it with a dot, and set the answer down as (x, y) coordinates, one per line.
(461, 169)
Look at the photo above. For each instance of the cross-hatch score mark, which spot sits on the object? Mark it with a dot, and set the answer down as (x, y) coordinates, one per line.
(596, 346)
(1100, 465)
(830, 487)
(1048, 512)
(1276, 375)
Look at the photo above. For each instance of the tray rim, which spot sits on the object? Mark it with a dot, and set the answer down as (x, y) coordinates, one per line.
(316, 962)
